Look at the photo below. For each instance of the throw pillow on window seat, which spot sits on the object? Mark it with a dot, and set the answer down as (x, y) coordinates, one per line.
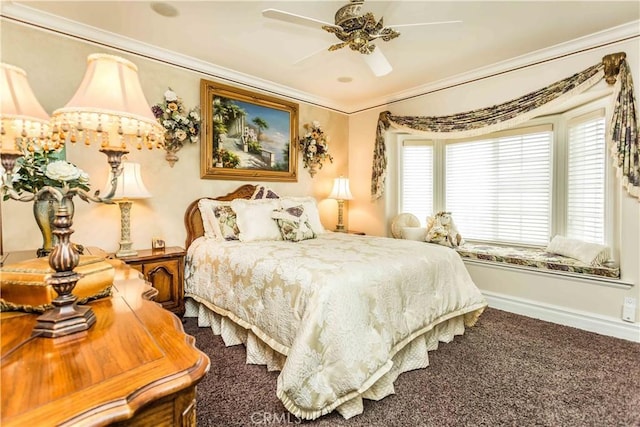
(414, 233)
(590, 253)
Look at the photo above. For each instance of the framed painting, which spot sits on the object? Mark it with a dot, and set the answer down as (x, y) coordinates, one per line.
(247, 135)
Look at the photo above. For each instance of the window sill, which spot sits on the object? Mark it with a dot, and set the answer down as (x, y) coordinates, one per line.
(537, 260)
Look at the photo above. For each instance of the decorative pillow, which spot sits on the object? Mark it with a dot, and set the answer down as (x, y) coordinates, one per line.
(414, 233)
(208, 218)
(590, 253)
(263, 192)
(227, 227)
(310, 208)
(218, 219)
(254, 221)
(293, 223)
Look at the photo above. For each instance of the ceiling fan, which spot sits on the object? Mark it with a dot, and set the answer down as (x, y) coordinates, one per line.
(354, 29)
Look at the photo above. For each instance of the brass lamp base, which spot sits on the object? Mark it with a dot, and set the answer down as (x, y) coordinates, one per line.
(66, 318)
(61, 322)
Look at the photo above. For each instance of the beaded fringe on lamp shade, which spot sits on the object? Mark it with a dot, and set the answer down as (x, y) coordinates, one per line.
(109, 106)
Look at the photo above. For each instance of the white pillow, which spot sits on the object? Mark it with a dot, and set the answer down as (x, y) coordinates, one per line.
(414, 233)
(589, 253)
(209, 220)
(254, 219)
(310, 206)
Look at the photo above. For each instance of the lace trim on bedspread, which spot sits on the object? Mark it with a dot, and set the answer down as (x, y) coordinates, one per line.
(410, 354)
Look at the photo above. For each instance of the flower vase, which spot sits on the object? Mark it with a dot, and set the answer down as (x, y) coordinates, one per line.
(171, 150)
(44, 211)
(171, 156)
(313, 168)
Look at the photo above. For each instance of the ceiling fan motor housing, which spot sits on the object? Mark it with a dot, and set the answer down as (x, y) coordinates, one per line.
(358, 30)
(348, 16)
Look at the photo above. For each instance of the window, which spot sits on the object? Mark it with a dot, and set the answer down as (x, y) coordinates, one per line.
(499, 189)
(521, 186)
(586, 178)
(416, 195)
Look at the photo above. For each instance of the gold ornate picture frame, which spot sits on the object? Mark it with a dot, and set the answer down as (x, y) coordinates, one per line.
(247, 135)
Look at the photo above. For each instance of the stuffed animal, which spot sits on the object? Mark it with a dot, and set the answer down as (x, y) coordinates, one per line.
(442, 230)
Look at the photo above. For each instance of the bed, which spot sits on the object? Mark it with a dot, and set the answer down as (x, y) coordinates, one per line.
(339, 315)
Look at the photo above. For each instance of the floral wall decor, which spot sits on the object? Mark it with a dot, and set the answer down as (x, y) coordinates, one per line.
(314, 147)
(180, 125)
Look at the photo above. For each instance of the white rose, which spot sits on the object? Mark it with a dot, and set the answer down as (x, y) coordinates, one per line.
(181, 135)
(170, 96)
(315, 124)
(61, 170)
(195, 116)
(84, 177)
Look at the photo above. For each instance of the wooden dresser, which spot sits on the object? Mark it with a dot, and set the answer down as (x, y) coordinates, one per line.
(135, 366)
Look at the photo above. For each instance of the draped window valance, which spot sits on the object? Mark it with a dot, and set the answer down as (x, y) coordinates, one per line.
(622, 137)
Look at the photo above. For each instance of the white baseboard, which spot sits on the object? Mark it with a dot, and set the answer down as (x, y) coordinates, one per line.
(564, 316)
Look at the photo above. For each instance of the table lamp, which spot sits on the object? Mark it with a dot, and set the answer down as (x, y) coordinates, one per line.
(341, 193)
(109, 107)
(130, 187)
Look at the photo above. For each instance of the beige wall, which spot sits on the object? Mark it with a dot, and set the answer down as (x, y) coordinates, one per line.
(55, 65)
(374, 217)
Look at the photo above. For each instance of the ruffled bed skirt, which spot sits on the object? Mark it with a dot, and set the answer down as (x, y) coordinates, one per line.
(413, 355)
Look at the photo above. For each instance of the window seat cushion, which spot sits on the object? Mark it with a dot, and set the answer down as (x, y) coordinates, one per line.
(536, 258)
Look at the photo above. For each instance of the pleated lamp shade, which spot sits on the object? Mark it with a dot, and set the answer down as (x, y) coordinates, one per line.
(130, 184)
(341, 189)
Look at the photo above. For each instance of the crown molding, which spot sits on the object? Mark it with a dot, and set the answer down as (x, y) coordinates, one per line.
(25, 15)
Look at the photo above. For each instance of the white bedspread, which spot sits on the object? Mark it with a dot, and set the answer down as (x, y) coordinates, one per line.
(339, 307)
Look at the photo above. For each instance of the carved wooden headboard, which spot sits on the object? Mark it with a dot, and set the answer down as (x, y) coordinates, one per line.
(193, 220)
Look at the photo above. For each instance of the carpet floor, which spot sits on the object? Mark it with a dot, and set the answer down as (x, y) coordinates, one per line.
(508, 370)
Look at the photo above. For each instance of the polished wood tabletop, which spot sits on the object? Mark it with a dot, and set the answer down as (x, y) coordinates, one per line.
(136, 354)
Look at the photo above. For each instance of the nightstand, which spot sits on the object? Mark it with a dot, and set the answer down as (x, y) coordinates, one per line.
(164, 269)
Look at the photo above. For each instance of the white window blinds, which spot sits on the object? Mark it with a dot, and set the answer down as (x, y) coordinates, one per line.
(499, 189)
(417, 180)
(586, 178)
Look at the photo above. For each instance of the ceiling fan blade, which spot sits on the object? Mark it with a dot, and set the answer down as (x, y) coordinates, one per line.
(304, 58)
(292, 18)
(418, 24)
(378, 62)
